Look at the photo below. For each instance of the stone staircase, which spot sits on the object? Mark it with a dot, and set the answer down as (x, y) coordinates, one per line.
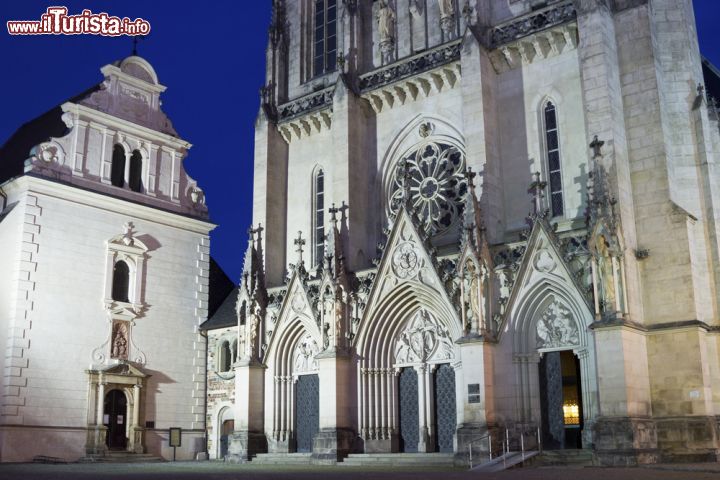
(122, 457)
(564, 458)
(282, 459)
(422, 460)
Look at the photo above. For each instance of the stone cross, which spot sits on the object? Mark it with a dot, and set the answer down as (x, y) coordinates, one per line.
(333, 214)
(299, 242)
(135, 40)
(258, 230)
(537, 187)
(597, 145)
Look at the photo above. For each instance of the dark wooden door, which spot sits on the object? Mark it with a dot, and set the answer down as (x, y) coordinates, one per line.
(409, 414)
(116, 419)
(445, 408)
(307, 411)
(228, 426)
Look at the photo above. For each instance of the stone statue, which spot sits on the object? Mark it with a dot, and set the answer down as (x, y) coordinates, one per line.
(447, 8)
(386, 22)
(606, 280)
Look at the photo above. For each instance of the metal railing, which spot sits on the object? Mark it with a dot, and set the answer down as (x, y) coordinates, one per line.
(505, 444)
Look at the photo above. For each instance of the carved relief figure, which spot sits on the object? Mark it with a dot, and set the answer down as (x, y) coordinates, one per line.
(423, 339)
(119, 348)
(305, 353)
(556, 328)
(447, 8)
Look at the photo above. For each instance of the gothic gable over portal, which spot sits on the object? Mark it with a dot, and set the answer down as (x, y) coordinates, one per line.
(408, 276)
(546, 309)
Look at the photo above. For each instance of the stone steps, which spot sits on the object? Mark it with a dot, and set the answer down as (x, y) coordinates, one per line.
(282, 459)
(122, 457)
(575, 458)
(425, 460)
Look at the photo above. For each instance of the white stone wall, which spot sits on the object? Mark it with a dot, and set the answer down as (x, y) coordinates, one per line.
(65, 319)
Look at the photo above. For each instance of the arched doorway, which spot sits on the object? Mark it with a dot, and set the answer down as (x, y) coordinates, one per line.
(560, 400)
(116, 419)
(226, 429)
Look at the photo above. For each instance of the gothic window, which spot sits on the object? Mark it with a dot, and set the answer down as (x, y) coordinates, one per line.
(234, 350)
(435, 183)
(135, 179)
(121, 282)
(117, 169)
(319, 218)
(224, 357)
(552, 144)
(325, 37)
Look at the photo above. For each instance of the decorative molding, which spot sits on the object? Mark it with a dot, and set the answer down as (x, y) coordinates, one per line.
(532, 23)
(306, 115)
(556, 328)
(423, 339)
(304, 358)
(417, 76)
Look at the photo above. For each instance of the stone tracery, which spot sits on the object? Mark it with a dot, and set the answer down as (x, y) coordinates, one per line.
(435, 184)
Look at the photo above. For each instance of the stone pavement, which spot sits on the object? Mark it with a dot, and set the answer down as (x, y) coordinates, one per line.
(220, 471)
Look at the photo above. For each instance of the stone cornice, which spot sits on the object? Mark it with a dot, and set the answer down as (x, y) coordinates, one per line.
(118, 124)
(411, 66)
(315, 101)
(532, 23)
(105, 202)
(654, 329)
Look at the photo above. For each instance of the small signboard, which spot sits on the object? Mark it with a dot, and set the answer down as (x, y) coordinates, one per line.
(175, 437)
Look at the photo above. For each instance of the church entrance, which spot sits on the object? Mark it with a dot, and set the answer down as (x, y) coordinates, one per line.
(409, 414)
(116, 420)
(228, 427)
(445, 408)
(307, 411)
(561, 400)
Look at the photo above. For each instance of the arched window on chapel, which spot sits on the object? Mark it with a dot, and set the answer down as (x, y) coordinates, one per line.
(117, 169)
(319, 217)
(121, 282)
(552, 146)
(135, 177)
(225, 357)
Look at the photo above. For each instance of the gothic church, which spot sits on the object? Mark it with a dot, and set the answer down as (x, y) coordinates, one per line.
(480, 223)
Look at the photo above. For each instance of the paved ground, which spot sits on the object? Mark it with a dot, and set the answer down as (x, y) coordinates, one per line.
(219, 471)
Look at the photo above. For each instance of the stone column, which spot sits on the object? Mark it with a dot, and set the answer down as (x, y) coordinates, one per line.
(474, 390)
(338, 409)
(100, 403)
(423, 437)
(136, 430)
(248, 439)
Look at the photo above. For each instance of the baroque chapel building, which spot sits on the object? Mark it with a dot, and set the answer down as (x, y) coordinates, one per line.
(104, 273)
(482, 218)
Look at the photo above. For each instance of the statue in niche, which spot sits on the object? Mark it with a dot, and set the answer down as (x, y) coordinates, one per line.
(119, 344)
(386, 22)
(447, 8)
(252, 336)
(606, 280)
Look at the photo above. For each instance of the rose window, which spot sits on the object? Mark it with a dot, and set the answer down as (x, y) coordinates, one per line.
(436, 184)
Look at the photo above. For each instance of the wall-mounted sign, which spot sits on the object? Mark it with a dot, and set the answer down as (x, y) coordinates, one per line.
(474, 393)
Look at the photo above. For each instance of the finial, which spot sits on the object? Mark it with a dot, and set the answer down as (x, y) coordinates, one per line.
(597, 145)
(299, 242)
(135, 40)
(333, 214)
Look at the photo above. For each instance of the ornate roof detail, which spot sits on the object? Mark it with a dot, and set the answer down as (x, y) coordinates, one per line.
(534, 22)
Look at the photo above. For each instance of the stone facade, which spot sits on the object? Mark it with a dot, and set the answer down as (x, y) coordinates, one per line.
(104, 279)
(402, 149)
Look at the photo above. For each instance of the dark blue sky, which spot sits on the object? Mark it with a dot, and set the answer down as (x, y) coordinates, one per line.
(210, 55)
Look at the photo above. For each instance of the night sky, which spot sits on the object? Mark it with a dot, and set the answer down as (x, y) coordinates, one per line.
(211, 56)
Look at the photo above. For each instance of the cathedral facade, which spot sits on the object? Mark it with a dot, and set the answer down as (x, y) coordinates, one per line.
(104, 269)
(480, 223)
